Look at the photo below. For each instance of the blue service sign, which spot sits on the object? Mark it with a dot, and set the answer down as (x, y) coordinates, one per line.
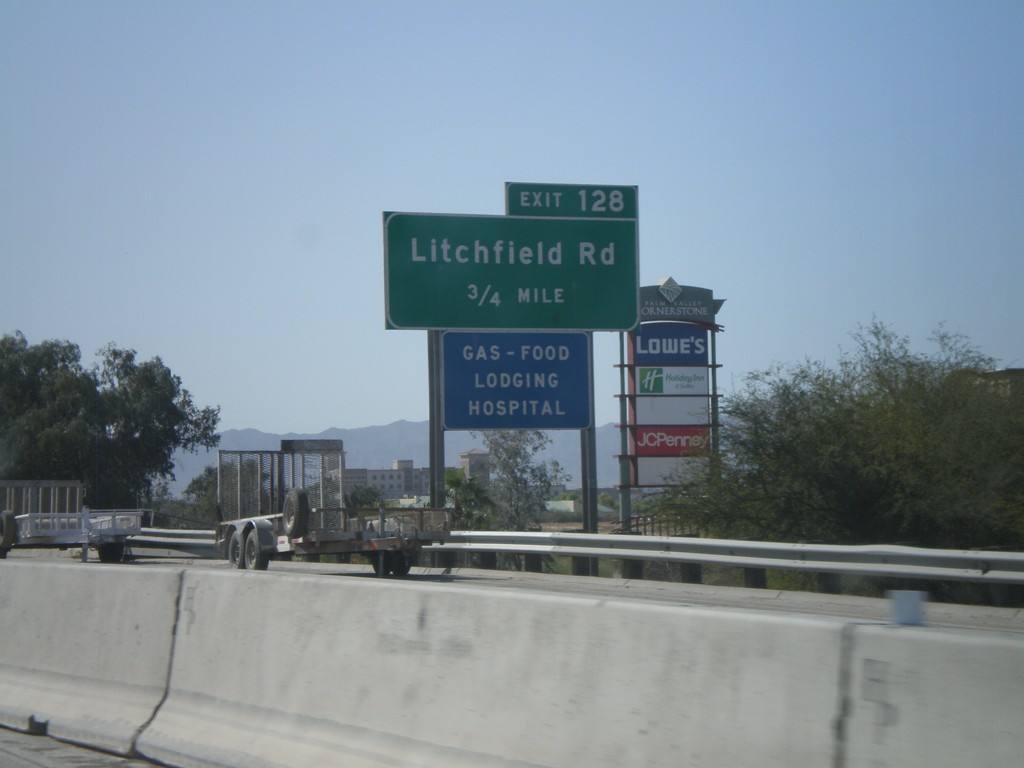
(508, 380)
(670, 344)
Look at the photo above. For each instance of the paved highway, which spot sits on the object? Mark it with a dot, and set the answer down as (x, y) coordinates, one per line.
(18, 750)
(734, 598)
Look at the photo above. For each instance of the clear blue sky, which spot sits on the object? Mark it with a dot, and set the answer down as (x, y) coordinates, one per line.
(204, 181)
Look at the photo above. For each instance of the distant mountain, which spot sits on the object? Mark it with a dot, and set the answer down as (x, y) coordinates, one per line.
(378, 447)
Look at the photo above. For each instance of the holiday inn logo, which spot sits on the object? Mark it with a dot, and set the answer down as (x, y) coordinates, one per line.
(652, 381)
(662, 380)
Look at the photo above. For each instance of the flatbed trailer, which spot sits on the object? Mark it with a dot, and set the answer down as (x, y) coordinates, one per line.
(277, 504)
(36, 514)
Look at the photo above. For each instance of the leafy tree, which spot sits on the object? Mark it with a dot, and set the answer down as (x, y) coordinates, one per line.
(115, 427)
(890, 446)
(201, 495)
(362, 496)
(472, 507)
(520, 484)
(49, 407)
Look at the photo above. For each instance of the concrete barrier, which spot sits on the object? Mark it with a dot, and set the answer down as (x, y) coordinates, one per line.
(84, 650)
(200, 668)
(918, 697)
(312, 671)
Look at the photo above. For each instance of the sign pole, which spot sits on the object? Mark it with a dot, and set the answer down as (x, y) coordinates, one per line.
(436, 449)
(625, 492)
(587, 566)
(714, 394)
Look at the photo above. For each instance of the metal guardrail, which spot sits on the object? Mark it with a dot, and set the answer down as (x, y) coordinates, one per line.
(881, 560)
(868, 560)
(198, 543)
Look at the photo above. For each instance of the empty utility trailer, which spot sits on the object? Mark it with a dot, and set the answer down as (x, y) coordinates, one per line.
(276, 504)
(37, 514)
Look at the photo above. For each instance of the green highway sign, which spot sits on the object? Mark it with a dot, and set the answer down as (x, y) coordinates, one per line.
(589, 201)
(453, 271)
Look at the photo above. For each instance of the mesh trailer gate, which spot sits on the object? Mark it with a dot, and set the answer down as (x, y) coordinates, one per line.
(255, 483)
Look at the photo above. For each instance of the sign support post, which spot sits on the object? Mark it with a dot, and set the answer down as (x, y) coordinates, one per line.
(588, 566)
(625, 492)
(436, 449)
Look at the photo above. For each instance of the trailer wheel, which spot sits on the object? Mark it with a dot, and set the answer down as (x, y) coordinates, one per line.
(8, 530)
(236, 559)
(296, 513)
(111, 552)
(400, 564)
(255, 558)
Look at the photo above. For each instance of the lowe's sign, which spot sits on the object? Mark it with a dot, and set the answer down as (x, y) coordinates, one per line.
(670, 344)
(516, 380)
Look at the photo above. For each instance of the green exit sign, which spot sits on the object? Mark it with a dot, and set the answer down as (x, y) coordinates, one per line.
(452, 271)
(590, 201)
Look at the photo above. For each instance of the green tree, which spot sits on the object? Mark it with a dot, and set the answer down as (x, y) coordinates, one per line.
(890, 446)
(363, 496)
(201, 496)
(520, 485)
(115, 427)
(49, 406)
(472, 507)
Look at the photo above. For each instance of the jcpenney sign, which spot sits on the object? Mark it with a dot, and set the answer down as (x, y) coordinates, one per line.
(672, 441)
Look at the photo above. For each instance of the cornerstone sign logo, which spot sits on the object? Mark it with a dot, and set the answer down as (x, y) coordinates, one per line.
(670, 301)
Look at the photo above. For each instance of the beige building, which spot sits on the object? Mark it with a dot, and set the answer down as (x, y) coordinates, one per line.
(404, 479)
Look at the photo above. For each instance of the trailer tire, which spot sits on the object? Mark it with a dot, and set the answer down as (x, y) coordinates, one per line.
(8, 530)
(255, 558)
(400, 564)
(296, 513)
(111, 552)
(379, 561)
(236, 557)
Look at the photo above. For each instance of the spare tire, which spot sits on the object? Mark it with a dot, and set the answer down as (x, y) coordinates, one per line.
(296, 513)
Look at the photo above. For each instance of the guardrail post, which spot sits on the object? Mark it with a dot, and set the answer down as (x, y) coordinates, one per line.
(584, 566)
(446, 560)
(633, 569)
(830, 583)
(755, 578)
(489, 561)
(533, 563)
(85, 512)
(691, 573)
